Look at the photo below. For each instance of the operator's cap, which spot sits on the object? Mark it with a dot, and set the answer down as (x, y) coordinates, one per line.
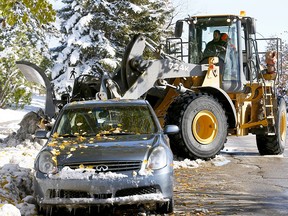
(224, 37)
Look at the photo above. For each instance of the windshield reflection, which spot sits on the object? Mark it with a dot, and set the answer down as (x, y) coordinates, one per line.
(106, 121)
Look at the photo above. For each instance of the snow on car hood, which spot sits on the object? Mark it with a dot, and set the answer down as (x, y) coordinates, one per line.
(88, 149)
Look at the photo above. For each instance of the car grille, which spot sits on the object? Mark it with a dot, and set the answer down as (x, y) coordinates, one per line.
(76, 194)
(83, 194)
(136, 191)
(109, 166)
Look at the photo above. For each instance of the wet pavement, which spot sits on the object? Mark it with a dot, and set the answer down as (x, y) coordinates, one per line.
(249, 184)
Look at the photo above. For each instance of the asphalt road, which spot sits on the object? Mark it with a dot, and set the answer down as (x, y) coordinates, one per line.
(249, 184)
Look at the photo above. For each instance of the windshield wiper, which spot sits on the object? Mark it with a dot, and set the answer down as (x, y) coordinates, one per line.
(67, 135)
(117, 134)
(76, 135)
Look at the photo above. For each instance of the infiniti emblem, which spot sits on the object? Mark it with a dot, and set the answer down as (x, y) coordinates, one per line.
(101, 168)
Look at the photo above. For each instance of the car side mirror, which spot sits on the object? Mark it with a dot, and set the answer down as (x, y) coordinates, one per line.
(171, 129)
(42, 134)
(178, 29)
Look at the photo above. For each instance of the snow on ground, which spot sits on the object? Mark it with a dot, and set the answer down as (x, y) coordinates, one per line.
(16, 163)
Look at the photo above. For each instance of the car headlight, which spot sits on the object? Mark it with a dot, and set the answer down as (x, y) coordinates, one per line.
(157, 159)
(46, 164)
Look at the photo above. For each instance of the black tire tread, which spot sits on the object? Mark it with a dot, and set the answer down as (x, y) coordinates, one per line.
(268, 145)
(174, 115)
(271, 144)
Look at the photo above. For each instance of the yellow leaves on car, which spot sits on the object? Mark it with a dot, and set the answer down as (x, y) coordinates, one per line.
(101, 135)
(117, 130)
(53, 144)
(81, 166)
(72, 149)
(59, 143)
(81, 138)
(83, 146)
(55, 152)
(64, 144)
(54, 158)
(79, 124)
(55, 135)
(98, 136)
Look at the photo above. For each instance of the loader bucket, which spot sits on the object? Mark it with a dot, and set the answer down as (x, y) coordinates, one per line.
(133, 50)
(35, 74)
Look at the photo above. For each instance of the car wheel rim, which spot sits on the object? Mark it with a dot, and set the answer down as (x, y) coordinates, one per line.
(205, 127)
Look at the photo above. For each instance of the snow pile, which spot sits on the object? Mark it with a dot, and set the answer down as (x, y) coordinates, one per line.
(9, 122)
(8, 115)
(188, 164)
(20, 155)
(16, 188)
(16, 163)
(11, 118)
(9, 209)
(220, 160)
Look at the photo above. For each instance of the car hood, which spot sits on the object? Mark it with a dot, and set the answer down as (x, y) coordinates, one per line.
(86, 149)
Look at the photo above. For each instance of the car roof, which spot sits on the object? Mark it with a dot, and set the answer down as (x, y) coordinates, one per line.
(109, 102)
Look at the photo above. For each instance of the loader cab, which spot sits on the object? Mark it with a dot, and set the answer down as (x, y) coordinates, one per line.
(236, 47)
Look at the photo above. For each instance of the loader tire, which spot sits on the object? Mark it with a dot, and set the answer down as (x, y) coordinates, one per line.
(203, 126)
(274, 144)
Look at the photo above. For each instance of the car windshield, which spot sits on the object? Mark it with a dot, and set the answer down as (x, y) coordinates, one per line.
(109, 120)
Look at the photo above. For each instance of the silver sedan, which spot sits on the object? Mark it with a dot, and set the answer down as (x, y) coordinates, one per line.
(106, 153)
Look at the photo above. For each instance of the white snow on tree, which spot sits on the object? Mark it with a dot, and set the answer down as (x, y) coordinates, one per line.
(96, 32)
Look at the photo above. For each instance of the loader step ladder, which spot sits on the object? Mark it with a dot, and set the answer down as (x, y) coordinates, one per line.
(269, 109)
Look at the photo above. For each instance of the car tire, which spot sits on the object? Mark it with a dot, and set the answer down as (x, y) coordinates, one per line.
(165, 208)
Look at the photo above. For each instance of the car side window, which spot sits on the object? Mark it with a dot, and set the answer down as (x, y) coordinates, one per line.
(64, 126)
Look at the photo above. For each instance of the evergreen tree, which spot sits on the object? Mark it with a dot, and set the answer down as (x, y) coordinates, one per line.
(96, 33)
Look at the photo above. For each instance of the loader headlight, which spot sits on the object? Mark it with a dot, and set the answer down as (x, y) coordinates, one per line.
(157, 159)
(46, 164)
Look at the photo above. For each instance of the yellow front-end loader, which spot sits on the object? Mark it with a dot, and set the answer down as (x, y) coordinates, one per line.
(209, 91)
